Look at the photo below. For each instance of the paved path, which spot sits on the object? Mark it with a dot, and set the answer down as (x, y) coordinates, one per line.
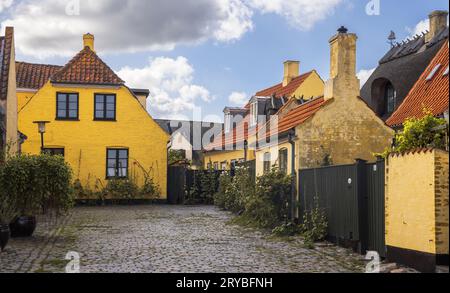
(161, 239)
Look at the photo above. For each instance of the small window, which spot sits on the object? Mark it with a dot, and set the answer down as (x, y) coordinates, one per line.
(67, 106)
(446, 71)
(433, 72)
(390, 96)
(267, 162)
(283, 160)
(209, 166)
(105, 107)
(117, 163)
(223, 166)
(216, 166)
(54, 151)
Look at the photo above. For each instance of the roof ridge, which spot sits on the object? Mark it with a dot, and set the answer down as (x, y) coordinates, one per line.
(115, 79)
(303, 75)
(38, 64)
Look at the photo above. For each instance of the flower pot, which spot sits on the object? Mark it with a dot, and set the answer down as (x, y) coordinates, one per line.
(4, 236)
(23, 227)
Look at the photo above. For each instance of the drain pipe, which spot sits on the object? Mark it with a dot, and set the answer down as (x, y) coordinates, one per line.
(293, 199)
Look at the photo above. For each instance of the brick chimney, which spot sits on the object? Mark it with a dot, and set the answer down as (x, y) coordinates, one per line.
(291, 71)
(343, 82)
(438, 21)
(88, 41)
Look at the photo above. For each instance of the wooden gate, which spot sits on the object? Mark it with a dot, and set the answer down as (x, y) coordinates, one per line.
(176, 182)
(352, 197)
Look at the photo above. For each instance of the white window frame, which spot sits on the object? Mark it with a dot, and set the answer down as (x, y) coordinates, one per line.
(253, 114)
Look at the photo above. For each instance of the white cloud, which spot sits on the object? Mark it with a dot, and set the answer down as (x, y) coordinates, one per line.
(238, 98)
(420, 28)
(364, 75)
(45, 28)
(5, 4)
(301, 14)
(172, 91)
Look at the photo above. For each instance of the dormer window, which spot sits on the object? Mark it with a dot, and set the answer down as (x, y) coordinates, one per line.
(433, 72)
(253, 114)
(390, 97)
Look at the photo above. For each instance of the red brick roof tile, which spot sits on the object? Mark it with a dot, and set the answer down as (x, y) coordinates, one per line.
(34, 76)
(431, 94)
(87, 68)
(287, 91)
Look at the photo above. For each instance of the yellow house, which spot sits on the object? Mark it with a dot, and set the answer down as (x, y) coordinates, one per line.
(333, 129)
(94, 120)
(237, 143)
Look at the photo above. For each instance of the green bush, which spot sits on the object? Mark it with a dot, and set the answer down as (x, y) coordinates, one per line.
(37, 184)
(315, 225)
(122, 189)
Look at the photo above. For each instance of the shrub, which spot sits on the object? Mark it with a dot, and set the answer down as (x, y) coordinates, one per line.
(122, 189)
(38, 184)
(315, 225)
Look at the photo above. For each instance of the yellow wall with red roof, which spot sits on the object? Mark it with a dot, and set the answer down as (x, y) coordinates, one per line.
(86, 141)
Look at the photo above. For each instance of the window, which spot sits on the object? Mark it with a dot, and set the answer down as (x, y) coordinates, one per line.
(433, 72)
(267, 162)
(390, 96)
(117, 163)
(223, 166)
(54, 151)
(253, 114)
(233, 164)
(209, 166)
(283, 160)
(105, 107)
(216, 166)
(67, 106)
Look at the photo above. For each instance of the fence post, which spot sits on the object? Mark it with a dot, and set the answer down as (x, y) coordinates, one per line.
(363, 208)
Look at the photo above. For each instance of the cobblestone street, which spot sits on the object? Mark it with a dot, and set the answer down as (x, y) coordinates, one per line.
(175, 239)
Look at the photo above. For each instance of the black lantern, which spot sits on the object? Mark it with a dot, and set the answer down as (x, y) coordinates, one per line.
(42, 125)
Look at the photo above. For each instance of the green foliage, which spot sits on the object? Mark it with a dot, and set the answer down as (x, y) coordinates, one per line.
(176, 156)
(204, 187)
(420, 133)
(37, 184)
(315, 225)
(122, 189)
(289, 229)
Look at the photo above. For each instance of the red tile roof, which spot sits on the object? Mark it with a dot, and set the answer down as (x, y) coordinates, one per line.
(87, 68)
(296, 117)
(6, 43)
(287, 91)
(34, 76)
(431, 94)
(241, 132)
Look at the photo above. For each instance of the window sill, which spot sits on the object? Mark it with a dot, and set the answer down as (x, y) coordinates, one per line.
(67, 119)
(105, 120)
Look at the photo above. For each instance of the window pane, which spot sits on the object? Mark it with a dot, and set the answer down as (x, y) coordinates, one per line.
(112, 163)
(112, 154)
(73, 106)
(110, 107)
(99, 99)
(99, 106)
(123, 172)
(110, 100)
(73, 98)
(110, 114)
(73, 114)
(62, 106)
(62, 113)
(99, 114)
(123, 154)
(61, 98)
(123, 163)
(111, 172)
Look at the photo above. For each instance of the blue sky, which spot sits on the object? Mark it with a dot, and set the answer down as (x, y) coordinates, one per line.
(209, 66)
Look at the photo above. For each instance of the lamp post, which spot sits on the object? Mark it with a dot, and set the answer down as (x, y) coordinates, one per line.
(245, 150)
(42, 129)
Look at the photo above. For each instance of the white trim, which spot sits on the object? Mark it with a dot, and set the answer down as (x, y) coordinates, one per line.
(25, 90)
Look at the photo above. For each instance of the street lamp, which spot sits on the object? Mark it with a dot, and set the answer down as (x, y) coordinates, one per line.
(42, 129)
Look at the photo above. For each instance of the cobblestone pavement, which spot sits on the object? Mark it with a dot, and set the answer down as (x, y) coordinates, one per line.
(176, 239)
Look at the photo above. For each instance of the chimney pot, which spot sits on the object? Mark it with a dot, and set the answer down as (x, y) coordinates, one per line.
(291, 71)
(88, 41)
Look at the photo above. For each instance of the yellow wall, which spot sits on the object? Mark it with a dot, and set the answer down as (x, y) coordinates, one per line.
(411, 212)
(227, 156)
(441, 201)
(23, 97)
(274, 151)
(313, 86)
(86, 141)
